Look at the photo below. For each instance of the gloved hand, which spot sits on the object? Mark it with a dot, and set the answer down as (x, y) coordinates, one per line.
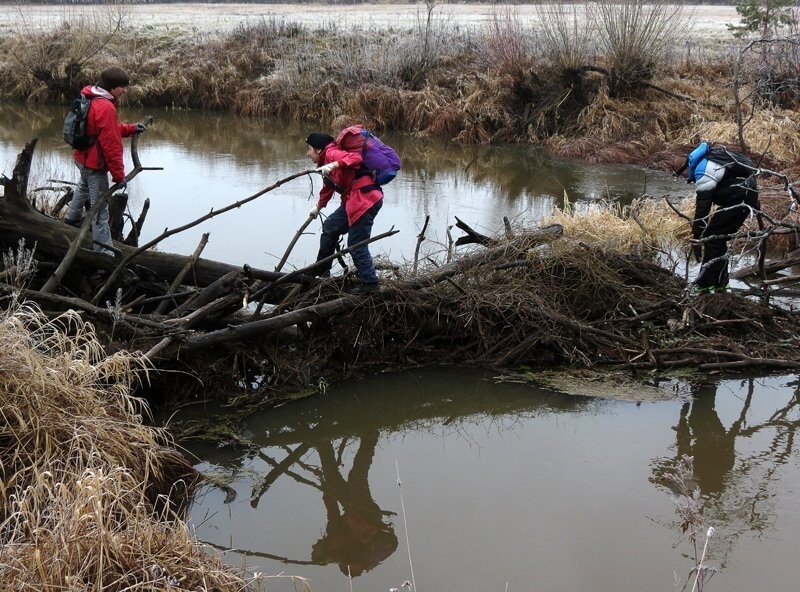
(313, 212)
(122, 184)
(325, 169)
(140, 128)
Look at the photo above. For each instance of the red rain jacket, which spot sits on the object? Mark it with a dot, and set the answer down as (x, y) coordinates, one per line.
(356, 198)
(106, 153)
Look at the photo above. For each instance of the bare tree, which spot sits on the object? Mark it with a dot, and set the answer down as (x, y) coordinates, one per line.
(58, 57)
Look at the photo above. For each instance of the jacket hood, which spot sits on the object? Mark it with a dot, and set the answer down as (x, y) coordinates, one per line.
(96, 91)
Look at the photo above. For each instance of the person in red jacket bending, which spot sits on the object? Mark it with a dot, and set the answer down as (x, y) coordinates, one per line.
(104, 155)
(361, 202)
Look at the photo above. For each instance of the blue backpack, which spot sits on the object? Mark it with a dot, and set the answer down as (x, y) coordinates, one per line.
(735, 163)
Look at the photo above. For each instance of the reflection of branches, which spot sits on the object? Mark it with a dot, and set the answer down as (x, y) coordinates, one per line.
(249, 553)
(734, 492)
(279, 468)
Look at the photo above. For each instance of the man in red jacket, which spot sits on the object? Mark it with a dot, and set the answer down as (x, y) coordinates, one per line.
(104, 155)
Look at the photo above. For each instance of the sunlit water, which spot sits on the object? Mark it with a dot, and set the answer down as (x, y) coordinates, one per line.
(503, 485)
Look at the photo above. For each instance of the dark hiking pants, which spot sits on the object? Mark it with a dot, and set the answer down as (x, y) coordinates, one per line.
(725, 221)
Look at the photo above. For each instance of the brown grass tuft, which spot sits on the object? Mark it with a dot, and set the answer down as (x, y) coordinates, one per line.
(89, 492)
(66, 530)
(641, 227)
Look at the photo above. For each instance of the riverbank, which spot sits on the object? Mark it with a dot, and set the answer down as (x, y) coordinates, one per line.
(503, 79)
(91, 495)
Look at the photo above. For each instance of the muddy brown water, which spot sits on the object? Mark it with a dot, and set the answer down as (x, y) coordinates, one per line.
(504, 486)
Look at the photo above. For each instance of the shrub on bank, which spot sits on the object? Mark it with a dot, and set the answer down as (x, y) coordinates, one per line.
(618, 90)
(90, 494)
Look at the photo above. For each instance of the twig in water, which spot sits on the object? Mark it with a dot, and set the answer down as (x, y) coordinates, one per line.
(405, 526)
(700, 567)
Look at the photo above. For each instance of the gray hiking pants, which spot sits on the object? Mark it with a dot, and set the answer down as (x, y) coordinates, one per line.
(91, 186)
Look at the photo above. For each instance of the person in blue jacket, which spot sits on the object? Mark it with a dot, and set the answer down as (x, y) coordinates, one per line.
(726, 179)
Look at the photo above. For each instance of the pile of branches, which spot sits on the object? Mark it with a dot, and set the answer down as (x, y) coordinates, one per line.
(525, 297)
(522, 302)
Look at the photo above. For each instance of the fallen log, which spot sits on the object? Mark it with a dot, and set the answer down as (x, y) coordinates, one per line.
(52, 238)
(317, 312)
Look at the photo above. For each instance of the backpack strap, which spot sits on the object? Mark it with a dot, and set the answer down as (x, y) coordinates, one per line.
(365, 182)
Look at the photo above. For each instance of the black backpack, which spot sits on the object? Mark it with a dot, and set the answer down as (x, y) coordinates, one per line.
(76, 122)
(736, 163)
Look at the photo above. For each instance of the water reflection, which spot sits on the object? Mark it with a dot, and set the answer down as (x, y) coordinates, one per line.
(356, 537)
(328, 444)
(701, 435)
(507, 481)
(737, 463)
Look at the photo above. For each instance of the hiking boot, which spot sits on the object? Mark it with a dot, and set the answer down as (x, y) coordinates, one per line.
(75, 223)
(364, 289)
(696, 291)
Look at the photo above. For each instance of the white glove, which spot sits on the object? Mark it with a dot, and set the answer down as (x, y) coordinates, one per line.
(314, 212)
(325, 169)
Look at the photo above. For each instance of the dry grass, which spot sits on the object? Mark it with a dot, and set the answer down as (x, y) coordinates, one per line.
(476, 87)
(67, 532)
(508, 43)
(642, 227)
(88, 490)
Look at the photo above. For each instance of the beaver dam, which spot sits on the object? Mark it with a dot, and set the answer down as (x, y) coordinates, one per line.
(589, 289)
(593, 289)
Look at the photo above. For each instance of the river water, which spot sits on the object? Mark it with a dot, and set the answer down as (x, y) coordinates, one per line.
(505, 486)
(508, 487)
(211, 160)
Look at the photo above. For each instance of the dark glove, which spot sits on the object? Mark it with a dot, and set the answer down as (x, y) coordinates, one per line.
(140, 128)
(122, 184)
(698, 228)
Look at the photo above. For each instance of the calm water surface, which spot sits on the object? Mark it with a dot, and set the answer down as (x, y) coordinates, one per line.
(212, 160)
(508, 485)
(504, 486)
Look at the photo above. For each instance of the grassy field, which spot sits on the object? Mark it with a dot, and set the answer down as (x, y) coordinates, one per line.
(532, 74)
(709, 23)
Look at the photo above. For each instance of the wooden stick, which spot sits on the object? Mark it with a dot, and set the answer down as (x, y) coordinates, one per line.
(162, 306)
(132, 239)
(420, 238)
(309, 313)
(219, 306)
(80, 304)
(167, 233)
(16, 188)
(472, 236)
(294, 241)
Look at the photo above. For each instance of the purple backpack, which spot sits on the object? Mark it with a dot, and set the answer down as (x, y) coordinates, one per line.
(380, 159)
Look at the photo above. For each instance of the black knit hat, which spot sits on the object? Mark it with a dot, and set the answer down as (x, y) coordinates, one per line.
(318, 140)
